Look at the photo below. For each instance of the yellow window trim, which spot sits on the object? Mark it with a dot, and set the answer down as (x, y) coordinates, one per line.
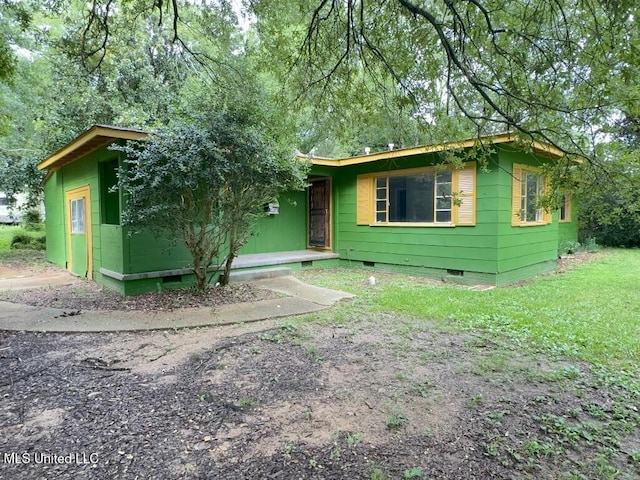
(413, 224)
(516, 196)
(366, 199)
(567, 208)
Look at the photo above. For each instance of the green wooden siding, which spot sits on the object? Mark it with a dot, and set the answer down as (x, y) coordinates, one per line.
(465, 248)
(568, 231)
(145, 252)
(85, 171)
(79, 252)
(520, 247)
(109, 200)
(112, 247)
(492, 251)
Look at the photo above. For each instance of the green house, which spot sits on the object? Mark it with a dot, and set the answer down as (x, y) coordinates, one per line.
(398, 210)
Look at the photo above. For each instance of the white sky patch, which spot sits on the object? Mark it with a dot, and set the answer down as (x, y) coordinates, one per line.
(245, 19)
(23, 52)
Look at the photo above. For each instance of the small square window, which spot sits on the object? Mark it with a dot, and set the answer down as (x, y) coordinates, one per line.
(77, 215)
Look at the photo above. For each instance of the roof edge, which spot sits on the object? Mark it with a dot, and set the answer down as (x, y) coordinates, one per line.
(107, 131)
(538, 147)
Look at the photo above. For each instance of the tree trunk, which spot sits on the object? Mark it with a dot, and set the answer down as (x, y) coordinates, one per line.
(233, 248)
(201, 279)
(227, 269)
(199, 270)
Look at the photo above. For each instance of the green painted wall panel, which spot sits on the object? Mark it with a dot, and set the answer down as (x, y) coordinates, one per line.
(521, 247)
(110, 283)
(84, 171)
(283, 232)
(55, 226)
(421, 237)
(112, 252)
(525, 273)
(470, 278)
(568, 231)
(79, 251)
(481, 251)
(146, 252)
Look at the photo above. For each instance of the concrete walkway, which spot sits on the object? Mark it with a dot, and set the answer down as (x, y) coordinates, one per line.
(302, 299)
(12, 280)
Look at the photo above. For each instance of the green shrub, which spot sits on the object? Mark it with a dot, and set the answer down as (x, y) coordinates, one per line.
(591, 246)
(32, 221)
(40, 242)
(20, 240)
(569, 248)
(27, 242)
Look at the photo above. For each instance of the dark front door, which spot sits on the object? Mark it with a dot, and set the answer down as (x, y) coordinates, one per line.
(319, 213)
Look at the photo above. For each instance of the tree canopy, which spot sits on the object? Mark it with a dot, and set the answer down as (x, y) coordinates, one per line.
(559, 71)
(337, 76)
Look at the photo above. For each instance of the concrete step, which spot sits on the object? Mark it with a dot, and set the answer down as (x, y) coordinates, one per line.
(240, 276)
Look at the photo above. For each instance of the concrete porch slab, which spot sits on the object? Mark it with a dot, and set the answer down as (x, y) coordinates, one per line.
(239, 276)
(253, 260)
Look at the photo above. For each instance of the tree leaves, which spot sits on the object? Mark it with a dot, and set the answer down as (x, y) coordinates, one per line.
(205, 185)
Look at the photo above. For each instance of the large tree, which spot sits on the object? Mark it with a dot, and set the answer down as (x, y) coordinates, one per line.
(550, 69)
(56, 91)
(347, 74)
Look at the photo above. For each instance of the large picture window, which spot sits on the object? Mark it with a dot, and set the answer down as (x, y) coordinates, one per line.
(419, 198)
(426, 196)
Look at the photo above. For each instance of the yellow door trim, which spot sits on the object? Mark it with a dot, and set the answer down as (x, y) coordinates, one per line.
(74, 194)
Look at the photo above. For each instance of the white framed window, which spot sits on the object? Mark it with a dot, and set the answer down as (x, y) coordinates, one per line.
(416, 198)
(77, 215)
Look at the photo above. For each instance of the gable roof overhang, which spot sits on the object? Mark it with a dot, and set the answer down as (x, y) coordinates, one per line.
(87, 142)
(539, 148)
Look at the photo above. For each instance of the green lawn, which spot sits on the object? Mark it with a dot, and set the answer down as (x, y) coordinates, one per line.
(7, 232)
(19, 257)
(590, 313)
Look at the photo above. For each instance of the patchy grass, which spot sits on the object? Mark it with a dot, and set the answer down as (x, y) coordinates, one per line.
(7, 232)
(569, 334)
(588, 313)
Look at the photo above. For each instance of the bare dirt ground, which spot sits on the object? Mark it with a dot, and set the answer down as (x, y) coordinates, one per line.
(312, 401)
(87, 295)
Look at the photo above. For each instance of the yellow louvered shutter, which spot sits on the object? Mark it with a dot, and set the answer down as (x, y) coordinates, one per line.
(466, 190)
(547, 215)
(364, 200)
(516, 196)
